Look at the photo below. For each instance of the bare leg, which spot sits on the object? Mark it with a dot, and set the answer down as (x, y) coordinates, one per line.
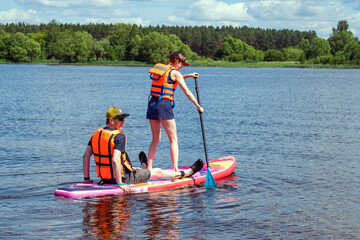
(157, 173)
(169, 126)
(156, 137)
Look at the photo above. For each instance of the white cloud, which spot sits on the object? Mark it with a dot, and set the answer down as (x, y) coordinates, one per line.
(71, 3)
(134, 20)
(354, 24)
(179, 20)
(217, 10)
(211, 12)
(69, 12)
(303, 15)
(354, 4)
(106, 11)
(321, 11)
(295, 9)
(95, 13)
(121, 13)
(16, 15)
(273, 9)
(46, 3)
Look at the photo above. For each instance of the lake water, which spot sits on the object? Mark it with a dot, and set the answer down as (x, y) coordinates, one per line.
(294, 132)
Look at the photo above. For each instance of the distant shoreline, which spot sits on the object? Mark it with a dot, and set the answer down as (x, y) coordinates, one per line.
(193, 64)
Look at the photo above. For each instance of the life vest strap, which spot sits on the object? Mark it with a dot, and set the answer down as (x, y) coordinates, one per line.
(103, 156)
(166, 94)
(110, 157)
(103, 164)
(163, 87)
(99, 148)
(155, 79)
(126, 161)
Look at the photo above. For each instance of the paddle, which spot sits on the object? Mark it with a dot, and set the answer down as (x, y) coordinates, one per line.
(209, 181)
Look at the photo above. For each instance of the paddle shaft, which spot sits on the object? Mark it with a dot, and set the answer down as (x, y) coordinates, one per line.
(202, 123)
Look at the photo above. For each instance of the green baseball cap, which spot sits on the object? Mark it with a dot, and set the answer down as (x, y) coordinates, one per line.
(114, 112)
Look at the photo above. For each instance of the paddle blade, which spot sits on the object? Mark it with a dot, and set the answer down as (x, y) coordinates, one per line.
(209, 181)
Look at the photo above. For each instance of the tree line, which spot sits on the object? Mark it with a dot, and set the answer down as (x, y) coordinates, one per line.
(128, 42)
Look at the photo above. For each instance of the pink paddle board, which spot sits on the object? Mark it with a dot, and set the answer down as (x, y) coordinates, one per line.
(220, 168)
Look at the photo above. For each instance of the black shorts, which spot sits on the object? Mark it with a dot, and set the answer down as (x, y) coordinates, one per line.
(159, 110)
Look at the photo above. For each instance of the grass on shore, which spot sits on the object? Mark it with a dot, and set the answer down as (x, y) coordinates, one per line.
(197, 64)
(271, 65)
(92, 62)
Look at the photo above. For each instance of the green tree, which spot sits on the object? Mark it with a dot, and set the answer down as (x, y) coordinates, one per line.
(18, 54)
(52, 32)
(204, 40)
(338, 58)
(120, 52)
(156, 47)
(22, 48)
(340, 37)
(351, 52)
(273, 55)
(110, 53)
(133, 44)
(342, 26)
(63, 47)
(254, 55)
(227, 49)
(39, 37)
(99, 47)
(236, 50)
(83, 42)
(318, 47)
(180, 46)
(304, 45)
(3, 46)
(292, 54)
(120, 38)
(32, 47)
(73, 46)
(134, 48)
(234, 57)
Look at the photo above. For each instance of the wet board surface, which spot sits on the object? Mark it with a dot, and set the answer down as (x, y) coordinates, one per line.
(220, 168)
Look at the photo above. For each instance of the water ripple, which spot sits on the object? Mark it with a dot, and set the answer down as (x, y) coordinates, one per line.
(294, 133)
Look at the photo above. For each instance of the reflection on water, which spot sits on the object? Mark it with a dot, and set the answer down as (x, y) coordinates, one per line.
(161, 216)
(155, 215)
(106, 217)
(112, 217)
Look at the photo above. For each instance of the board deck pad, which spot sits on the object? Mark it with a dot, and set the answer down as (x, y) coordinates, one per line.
(220, 168)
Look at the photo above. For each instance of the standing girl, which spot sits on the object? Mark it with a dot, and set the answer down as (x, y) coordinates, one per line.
(165, 79)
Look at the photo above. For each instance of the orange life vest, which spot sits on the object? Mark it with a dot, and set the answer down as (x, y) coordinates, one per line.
(102, 143)
(160, 87)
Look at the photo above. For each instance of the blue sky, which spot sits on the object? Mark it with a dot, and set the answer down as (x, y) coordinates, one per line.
(303, 15)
